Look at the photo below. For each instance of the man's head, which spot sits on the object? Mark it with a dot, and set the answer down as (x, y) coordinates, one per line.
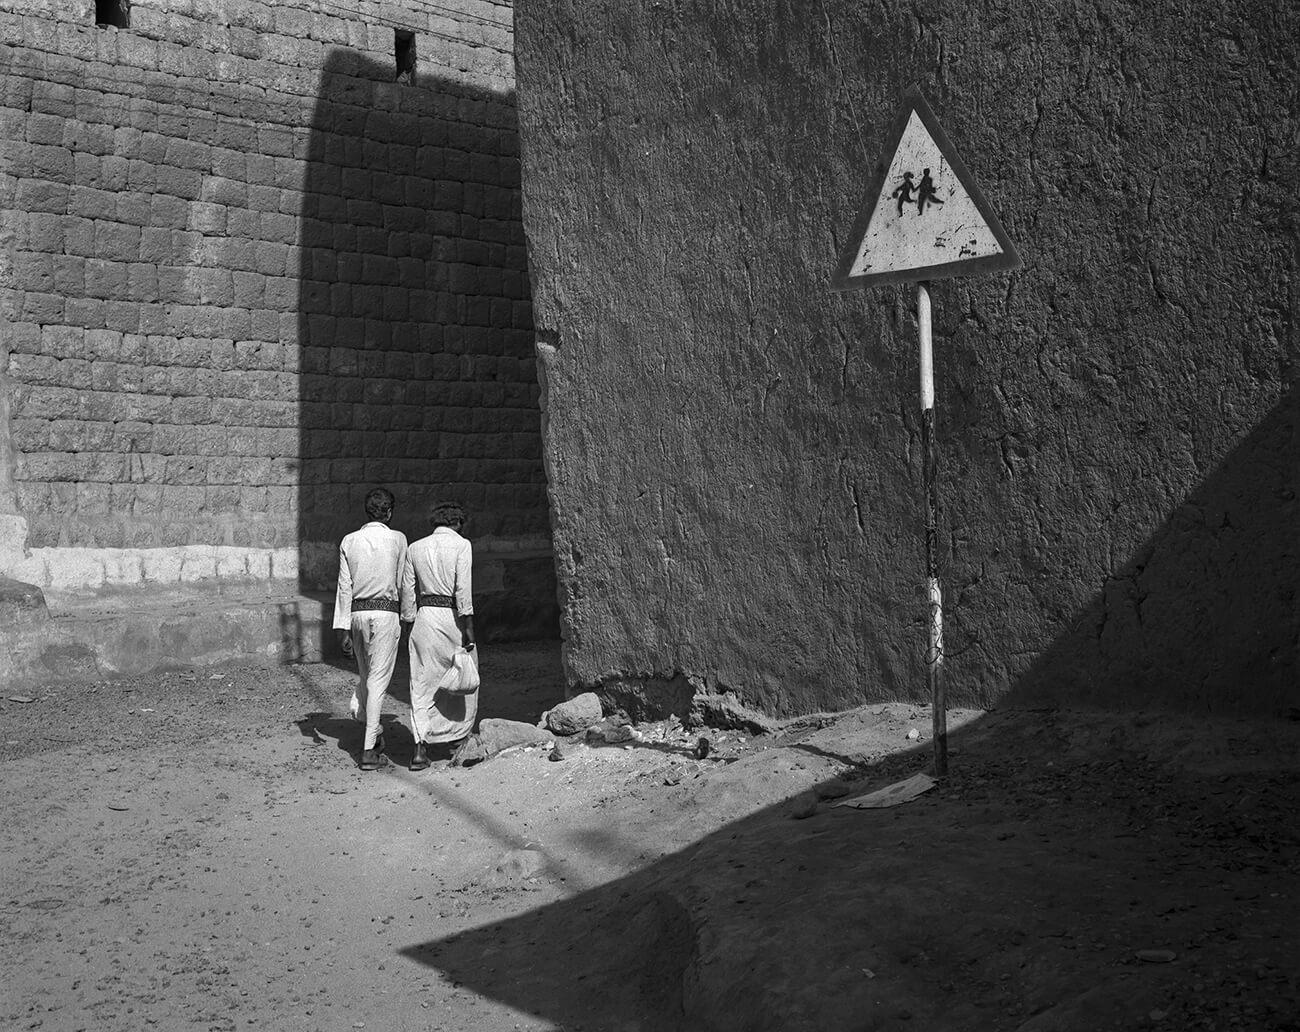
(448, 514)
(379, 504)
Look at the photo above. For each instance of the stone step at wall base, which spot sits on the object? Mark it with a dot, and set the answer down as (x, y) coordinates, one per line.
(135, 633)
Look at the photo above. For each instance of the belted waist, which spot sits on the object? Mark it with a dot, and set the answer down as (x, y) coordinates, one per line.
(371, 605)
(438, 601)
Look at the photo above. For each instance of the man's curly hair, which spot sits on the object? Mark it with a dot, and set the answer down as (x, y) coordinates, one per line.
(447, 514)
(379, 504)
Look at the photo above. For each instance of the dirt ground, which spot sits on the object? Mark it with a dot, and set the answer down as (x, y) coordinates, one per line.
(198, 850)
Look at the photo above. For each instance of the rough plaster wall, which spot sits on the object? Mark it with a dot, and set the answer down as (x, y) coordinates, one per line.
(734, 451)
(244, 274)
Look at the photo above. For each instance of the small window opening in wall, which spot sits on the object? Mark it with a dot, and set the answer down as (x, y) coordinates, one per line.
(404, 49)
(116, 13)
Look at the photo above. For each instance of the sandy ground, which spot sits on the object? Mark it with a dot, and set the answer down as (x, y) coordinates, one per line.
(199, 851)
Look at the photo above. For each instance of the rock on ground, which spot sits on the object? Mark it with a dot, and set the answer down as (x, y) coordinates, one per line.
(573, 715)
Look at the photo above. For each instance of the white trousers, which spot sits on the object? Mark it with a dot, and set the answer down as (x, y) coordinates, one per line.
(437, 716)
(375, 637)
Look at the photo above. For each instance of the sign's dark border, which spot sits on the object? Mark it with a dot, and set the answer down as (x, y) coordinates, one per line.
(914, 100)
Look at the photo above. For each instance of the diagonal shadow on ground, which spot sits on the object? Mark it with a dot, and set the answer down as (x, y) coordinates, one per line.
(1026, 883)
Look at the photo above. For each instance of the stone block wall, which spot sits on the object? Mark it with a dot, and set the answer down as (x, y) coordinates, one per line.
(246, 274)
(734, 449)
(414, 319)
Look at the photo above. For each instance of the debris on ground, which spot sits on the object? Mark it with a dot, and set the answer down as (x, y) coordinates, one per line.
(611, 730)
(573, 715)
(804, 805)
(670, 774)
(497, 735)
(834, 788)
(516, 865)
(893, 795)
(725, 710)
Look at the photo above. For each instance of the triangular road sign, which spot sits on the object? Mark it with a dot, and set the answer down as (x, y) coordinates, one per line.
(924, 218)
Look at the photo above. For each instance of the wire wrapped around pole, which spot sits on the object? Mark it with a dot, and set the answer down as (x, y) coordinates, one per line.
(933, 592)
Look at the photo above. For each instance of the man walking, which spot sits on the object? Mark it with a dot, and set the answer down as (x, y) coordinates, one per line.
(437, 595)
(366, 612)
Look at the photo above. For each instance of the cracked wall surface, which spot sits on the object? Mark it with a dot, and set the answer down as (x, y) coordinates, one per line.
(733, 451)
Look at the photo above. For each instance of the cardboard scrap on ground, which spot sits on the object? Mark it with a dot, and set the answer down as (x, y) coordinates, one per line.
(892, 795)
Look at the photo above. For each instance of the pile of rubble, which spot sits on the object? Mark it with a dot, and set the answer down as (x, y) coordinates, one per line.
(576, 724)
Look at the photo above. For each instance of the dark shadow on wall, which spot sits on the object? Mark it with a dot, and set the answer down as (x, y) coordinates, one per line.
(415, 321)
(1205, 617)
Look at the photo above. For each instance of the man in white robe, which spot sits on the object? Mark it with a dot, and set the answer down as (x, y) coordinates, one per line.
(437, 595)
(367, 613)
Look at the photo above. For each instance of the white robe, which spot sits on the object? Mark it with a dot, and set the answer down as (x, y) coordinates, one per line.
(440, 564)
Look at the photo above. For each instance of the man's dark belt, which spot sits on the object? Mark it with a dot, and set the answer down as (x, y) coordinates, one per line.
(372, 605)
(439, 601)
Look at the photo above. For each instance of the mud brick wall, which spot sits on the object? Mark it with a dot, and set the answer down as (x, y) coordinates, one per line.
(734, 450)
(245, 275)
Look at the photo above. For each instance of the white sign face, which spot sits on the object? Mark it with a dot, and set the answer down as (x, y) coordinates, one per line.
(924, 218)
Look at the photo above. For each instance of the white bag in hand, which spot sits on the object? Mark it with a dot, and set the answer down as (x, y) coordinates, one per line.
(461, 677)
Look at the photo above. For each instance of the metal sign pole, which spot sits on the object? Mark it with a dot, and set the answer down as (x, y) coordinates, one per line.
(921, 200)
(934, 595)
